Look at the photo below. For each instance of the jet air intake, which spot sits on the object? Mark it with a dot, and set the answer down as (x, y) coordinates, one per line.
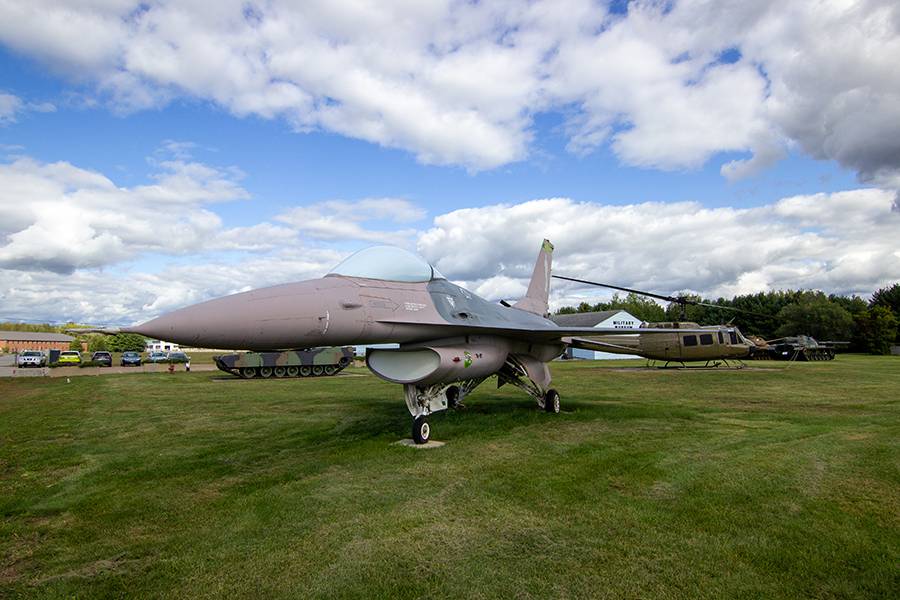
(428, 365)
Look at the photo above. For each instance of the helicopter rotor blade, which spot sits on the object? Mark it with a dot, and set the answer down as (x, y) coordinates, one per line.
(676, 299)
(620, 288)
(732, 308)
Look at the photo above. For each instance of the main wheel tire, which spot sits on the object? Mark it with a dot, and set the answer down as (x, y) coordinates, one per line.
(293, 371)
(330, 369)
(421, 430)
(551, 401)
(318, 370)
(248, 372)
(280, 372)
(305, 371)
(265, 372)
(452, 394)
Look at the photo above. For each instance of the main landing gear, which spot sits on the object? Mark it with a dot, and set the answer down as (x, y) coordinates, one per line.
(551, 402)
(422, 401)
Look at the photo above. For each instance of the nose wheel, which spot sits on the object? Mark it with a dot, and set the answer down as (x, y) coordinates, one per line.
(421, 430)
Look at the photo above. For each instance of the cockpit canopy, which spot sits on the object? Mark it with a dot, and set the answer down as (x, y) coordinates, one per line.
(387, 263)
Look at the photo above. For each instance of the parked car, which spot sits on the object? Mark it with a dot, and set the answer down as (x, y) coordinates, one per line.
(102, 359)
(131, 359)
(69, 357)
(178, 357)
(31, 358)
(157, 357)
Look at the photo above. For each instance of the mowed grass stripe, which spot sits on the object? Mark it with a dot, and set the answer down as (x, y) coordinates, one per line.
(778, 481)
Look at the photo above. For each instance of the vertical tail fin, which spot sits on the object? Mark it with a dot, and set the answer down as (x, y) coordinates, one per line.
(536, 300)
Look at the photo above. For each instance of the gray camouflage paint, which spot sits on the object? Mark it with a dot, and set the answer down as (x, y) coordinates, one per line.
(339, 310)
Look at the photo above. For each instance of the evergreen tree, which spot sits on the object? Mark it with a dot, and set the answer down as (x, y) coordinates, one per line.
(816, 316)
(878, 329)
(888, 297)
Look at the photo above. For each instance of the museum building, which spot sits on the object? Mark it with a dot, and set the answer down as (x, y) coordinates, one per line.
(611, 319)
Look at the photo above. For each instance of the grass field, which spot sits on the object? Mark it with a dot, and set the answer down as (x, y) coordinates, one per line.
(773, 483)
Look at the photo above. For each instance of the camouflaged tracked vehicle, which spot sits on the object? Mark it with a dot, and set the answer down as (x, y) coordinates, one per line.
(802, 347)
(315, 362)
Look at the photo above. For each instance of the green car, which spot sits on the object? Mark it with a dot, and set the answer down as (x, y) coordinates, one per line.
(69, 357)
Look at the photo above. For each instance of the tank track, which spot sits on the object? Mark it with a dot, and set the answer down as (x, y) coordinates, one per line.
(288, 373)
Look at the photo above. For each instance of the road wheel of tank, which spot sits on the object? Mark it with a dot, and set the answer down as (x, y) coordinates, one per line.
(421, 430)
(551, 401)
(318, 370)
(293, 371)
(280, 372)
(248, 372)
(305, 371)
(330, 369)
(452, 394)
(265, 372)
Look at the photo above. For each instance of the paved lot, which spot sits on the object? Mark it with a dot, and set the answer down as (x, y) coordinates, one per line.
(10, 371)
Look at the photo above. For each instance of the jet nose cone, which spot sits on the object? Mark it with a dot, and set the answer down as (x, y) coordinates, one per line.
(186, 326)
(286, 316)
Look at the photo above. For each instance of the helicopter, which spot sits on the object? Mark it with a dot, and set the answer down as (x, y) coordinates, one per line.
(716, 345)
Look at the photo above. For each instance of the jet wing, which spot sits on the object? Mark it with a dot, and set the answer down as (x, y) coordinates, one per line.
(548, 334)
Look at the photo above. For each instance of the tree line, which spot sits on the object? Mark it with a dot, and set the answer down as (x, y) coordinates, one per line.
(869, 326)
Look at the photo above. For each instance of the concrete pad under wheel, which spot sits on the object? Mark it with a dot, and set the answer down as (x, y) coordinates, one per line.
(426, 446)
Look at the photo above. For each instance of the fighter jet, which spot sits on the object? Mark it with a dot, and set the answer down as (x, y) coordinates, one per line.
(450, 340)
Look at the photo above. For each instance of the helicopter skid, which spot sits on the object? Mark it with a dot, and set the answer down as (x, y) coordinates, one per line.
(717, 364)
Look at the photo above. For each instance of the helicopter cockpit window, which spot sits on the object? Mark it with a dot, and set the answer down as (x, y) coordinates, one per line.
(733, 337)
(706, 339)
(721, 338)
(690, 340)
(387, 263)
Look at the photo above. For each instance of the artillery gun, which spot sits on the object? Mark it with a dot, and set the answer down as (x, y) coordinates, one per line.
(312, 362)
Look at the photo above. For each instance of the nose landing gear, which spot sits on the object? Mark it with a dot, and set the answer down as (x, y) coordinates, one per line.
(421, 430)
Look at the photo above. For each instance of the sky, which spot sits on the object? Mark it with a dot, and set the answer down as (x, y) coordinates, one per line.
(156, 154)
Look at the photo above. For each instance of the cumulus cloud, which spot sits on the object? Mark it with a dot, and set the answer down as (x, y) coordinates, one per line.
(59, 217)
(347, 220)
(842, 242)
(129, 297)
(667, 84)
(11, 107)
